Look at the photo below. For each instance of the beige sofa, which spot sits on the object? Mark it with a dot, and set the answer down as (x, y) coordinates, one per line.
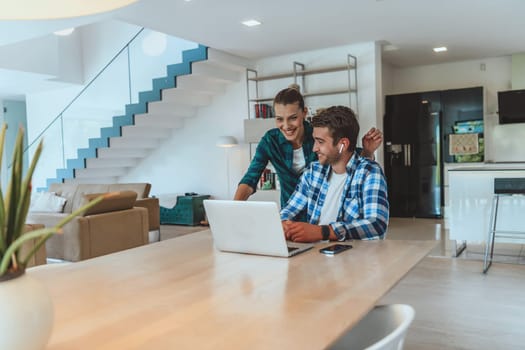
(117, 223)
(39, 258)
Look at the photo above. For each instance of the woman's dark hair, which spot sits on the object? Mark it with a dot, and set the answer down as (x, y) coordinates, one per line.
(290, 95)
(341, 122)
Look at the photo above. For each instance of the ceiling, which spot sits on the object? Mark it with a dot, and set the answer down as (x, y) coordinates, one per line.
(471, 29)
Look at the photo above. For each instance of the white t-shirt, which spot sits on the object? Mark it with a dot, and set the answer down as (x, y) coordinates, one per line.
(332, 203)
(298, 163)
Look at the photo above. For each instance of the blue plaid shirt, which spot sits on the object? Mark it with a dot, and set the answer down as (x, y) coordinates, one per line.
(364, 207)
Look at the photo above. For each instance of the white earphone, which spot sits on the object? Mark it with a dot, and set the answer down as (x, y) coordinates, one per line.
(341, 148)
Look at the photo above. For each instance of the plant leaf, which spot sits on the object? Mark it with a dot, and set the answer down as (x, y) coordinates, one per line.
(2, 207)
(25, 193)
(13, 195)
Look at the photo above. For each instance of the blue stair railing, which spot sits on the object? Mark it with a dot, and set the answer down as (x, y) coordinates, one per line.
(200, 53)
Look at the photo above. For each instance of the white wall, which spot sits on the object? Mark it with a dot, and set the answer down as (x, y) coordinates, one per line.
(55, 56)
(518, 71)
(502, 143)
(12, 113)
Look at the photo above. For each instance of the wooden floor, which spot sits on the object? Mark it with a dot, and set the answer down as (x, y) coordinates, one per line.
(457, 307)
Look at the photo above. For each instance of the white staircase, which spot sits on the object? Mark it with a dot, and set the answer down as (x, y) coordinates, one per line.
(208, 79)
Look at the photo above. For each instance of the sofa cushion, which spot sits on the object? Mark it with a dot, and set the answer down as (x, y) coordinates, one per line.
(46, 219)
(113, 201)
(74, 193)
(47, 202)
(66, 191)
(83, 189)
(142, 188)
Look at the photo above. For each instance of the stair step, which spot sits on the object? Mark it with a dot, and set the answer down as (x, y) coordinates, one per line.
(197, 54)
(133, 142)
(136, 108)
(107, 163)
(159, 121)
(178, 69)
(92, 180)
(145, 131)
(119, 153)
(215, 73)
(175, 110)
(185, 97)
(101, 172)
(198, 83)
(122, 120)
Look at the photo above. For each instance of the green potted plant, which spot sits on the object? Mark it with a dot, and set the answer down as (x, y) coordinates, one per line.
(26, 315)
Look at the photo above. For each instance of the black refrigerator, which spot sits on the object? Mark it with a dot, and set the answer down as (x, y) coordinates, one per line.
(413, 154)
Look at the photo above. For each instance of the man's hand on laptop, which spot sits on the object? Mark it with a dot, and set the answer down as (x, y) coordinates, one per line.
(301, 231)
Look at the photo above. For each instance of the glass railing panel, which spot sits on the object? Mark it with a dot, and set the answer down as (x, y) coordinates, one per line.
(51, 156)
(150, 54)
(118, 84)
(105, 98)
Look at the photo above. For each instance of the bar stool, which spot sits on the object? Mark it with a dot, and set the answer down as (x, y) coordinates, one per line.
(502, 187)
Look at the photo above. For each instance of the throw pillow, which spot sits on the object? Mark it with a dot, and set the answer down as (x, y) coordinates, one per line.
(47, 202)
(113, 201)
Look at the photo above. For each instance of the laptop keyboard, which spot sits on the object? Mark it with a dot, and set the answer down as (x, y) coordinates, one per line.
(291, 249)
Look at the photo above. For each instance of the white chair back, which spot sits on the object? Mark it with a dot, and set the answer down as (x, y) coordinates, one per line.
(383, 328)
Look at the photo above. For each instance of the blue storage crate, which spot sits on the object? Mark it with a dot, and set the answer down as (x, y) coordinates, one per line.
(188, 210)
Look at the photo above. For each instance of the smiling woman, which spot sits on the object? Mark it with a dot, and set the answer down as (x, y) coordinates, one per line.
(55, 9)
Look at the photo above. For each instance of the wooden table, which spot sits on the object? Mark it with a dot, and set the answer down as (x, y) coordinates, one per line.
(183, 294)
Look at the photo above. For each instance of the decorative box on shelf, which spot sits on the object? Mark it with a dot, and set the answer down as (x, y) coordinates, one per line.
(189, 210)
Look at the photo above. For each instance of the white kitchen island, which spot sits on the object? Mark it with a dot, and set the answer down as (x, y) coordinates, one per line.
(471, 193)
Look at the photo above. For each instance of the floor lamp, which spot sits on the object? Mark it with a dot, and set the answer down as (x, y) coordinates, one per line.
(227, 142)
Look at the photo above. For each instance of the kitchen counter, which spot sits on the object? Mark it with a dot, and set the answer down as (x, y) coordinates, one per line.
(471, 193)
(484, 166)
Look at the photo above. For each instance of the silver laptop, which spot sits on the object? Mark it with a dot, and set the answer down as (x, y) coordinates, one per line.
(249, 227)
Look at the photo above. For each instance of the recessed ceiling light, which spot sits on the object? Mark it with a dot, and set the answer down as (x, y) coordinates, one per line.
(440, 49)
(251, 23)
(64, 32)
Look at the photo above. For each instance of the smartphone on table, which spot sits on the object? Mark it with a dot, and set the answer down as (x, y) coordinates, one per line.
(335, 249)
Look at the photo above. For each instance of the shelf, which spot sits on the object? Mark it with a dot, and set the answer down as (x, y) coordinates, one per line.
(261, 99)
(255, 128)
(329, 92)
(303, 72)
(311, 94)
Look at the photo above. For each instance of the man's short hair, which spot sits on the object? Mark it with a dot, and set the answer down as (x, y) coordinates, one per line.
(288, 96)
(341, 122)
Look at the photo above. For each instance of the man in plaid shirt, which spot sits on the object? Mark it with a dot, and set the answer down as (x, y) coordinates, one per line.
(345, 195)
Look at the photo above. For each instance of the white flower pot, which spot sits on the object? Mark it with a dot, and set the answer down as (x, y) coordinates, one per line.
(26, 314)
